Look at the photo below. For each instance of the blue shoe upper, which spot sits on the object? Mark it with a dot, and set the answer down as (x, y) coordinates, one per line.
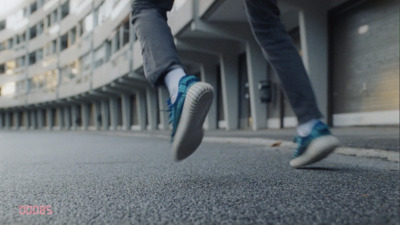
(175, 109)
(320, 129)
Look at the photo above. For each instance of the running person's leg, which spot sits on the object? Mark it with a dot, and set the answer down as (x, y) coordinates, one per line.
(190, 99)
(315, 141)
(149, 20)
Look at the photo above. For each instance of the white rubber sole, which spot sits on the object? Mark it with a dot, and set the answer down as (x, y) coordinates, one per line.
(317, 150)
(189, 132)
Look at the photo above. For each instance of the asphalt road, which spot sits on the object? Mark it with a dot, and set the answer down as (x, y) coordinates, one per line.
(91, 178)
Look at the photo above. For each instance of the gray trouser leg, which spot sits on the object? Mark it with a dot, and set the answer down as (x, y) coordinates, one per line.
(280, 51)
(158, 48)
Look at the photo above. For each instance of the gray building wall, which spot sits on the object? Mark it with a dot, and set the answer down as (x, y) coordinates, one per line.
(366, 57)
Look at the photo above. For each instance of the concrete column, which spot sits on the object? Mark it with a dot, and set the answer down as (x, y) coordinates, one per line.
(49, 119)
(141, 109)
(67, 118)
(105, 120)
(25, 119)
(162, 104)
(7, 121)
(33, 120)
(98, 118)
(1, 120)
(85, 113)
(40, 119)
(17, 121)
(74, 116)
(209, 74)
(314, 44)
(60, 118)
(230, 84)
(256, 71)
(152, 110)
(126, 111)
(113, 114)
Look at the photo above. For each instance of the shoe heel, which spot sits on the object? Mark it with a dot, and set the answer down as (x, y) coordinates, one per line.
(190, 133)
(317, 150)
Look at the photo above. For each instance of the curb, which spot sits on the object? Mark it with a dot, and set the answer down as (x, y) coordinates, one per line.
(273, 143)
(358, 152)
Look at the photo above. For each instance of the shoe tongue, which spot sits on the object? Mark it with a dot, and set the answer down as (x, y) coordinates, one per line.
(186, 80)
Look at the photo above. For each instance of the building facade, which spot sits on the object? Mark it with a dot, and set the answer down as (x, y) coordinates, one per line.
(76, 64)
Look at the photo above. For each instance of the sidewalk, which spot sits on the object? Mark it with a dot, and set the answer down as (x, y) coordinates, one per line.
(375, 142)
(383, 138)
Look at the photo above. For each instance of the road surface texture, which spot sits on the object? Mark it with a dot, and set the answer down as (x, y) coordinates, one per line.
(99, 178)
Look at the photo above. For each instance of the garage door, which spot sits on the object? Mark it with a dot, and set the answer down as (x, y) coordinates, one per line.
(365, 63)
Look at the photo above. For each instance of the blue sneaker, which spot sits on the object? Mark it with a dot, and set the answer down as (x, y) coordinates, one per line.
(187, 115)
(315, 147)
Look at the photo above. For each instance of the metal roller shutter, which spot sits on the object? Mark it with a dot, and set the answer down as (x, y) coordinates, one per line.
(365, 59)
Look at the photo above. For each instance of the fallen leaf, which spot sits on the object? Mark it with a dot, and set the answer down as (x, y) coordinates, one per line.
(276, 144)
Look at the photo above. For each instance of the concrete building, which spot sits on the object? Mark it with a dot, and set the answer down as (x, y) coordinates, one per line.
(76, 64)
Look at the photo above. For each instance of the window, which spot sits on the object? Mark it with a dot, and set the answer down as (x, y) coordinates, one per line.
(40, 28)
(41, 3)
(2, 25)
(50, 48)
(100, 55)
(21, 87)
(51, 78)
(10, 66)
(47, 49)
(37, 81)
(3, 46)
(65, 10)
(10, 43)
(25, 12)
(32, 58)
(65, 74)
(80, 28)
(72, 36)
(97, 19)
(54, 46)
(54, 17)
(74, 68)
(21, 38)
(32, 32)
(70, 71)
(31, 84)
(39, 55)
(21, 61)
(8, 88)
(33, 7)
(88, 23)
(86, 63)
(64, 42)
(102, 13)
(48, 20)
(2, 68)
(125, 37)
(116, 41)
